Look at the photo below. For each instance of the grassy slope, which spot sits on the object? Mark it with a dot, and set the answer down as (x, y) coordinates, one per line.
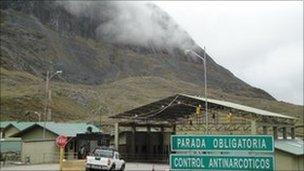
(116, 96)
(22, 93)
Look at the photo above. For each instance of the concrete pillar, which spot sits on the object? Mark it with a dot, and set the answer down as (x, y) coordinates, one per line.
(284, 130)
(174, 129)
(133, 140)
(148, 141)
(116, 134)
(292, 133)
(265, 131)
(275, 132)
(161, 140)
(253, 127)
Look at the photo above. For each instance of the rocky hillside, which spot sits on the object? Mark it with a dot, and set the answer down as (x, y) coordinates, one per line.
(112, 58)
(37, 36)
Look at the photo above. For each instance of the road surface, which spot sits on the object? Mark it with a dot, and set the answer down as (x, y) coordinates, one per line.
(54, 167)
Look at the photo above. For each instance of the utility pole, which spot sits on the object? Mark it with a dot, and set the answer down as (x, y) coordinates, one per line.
(47, 109)
(46, 102)
(206, 100)
(205, 82)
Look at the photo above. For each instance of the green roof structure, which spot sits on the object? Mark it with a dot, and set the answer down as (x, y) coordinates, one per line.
(3, 124)
(67, 129)
(19, 125)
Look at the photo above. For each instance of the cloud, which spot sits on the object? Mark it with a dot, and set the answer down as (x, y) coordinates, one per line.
(138, 23)
(281, 73)
(260, 42)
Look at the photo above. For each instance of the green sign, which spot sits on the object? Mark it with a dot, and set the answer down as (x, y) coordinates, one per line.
(260, 143)
(205, 162)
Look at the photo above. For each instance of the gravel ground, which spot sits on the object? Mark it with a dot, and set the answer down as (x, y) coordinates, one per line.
(54, 167)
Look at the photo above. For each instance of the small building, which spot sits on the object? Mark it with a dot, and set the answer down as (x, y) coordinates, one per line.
(39, 144)
(289, 154)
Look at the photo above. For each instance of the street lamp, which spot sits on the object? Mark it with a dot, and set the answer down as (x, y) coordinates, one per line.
(47, 110)
(36, 113)
(191, 52)
(39, 116)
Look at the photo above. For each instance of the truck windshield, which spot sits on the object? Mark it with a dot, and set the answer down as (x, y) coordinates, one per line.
(103, 153)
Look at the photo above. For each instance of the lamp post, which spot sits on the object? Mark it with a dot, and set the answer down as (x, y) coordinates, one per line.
(205, 80)
(47, 110)
(36, 113)
(39, 116)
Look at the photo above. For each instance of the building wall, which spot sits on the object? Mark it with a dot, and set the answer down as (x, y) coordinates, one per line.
(286, 161)
(9, 131)
(42, 151)
(38, 150)
(37, 134)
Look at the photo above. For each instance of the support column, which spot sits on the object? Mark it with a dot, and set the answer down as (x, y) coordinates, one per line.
(265, 130)
(148, 140)
(174, 129)
(253, 127)
(161, 140)
(116, 134)
(292, 133)
(133, 141)
(284, 133)
(275, 132)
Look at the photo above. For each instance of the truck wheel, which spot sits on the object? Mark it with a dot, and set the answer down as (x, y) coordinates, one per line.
(122, 167)
(113, 167)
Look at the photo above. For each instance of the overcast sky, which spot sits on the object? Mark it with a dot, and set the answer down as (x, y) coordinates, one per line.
(260, 42)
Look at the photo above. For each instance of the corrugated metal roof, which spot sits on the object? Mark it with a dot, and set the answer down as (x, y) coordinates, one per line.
(67, 129)
(293, 146)
(19, 125)
(241, 107)
(3, 124)
(22, 125)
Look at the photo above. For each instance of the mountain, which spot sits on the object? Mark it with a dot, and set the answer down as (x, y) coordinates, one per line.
(113, 54)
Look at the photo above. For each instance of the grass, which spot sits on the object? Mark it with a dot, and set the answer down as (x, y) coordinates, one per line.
(22, 92)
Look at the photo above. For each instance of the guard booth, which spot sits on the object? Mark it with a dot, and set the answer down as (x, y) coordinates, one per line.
(143, 134)
(86, 142)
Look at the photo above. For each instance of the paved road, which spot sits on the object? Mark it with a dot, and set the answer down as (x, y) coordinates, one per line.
(54, 167)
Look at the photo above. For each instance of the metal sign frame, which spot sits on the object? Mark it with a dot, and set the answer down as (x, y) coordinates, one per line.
(222, 150)
(193, 155)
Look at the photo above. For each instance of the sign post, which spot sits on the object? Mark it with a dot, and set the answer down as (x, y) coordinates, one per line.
(222, 152)
(61, 141)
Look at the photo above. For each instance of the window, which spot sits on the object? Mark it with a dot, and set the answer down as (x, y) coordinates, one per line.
(117, 156)
(103, 153)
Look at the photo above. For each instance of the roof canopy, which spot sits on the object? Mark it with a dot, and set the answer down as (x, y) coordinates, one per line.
(293, 146)
(19, 125)
(180, 106)
(67, 129)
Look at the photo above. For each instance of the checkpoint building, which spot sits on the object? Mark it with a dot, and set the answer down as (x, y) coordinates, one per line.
(143, 133)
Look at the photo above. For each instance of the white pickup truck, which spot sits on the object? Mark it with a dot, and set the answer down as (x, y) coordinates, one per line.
(104, 158)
